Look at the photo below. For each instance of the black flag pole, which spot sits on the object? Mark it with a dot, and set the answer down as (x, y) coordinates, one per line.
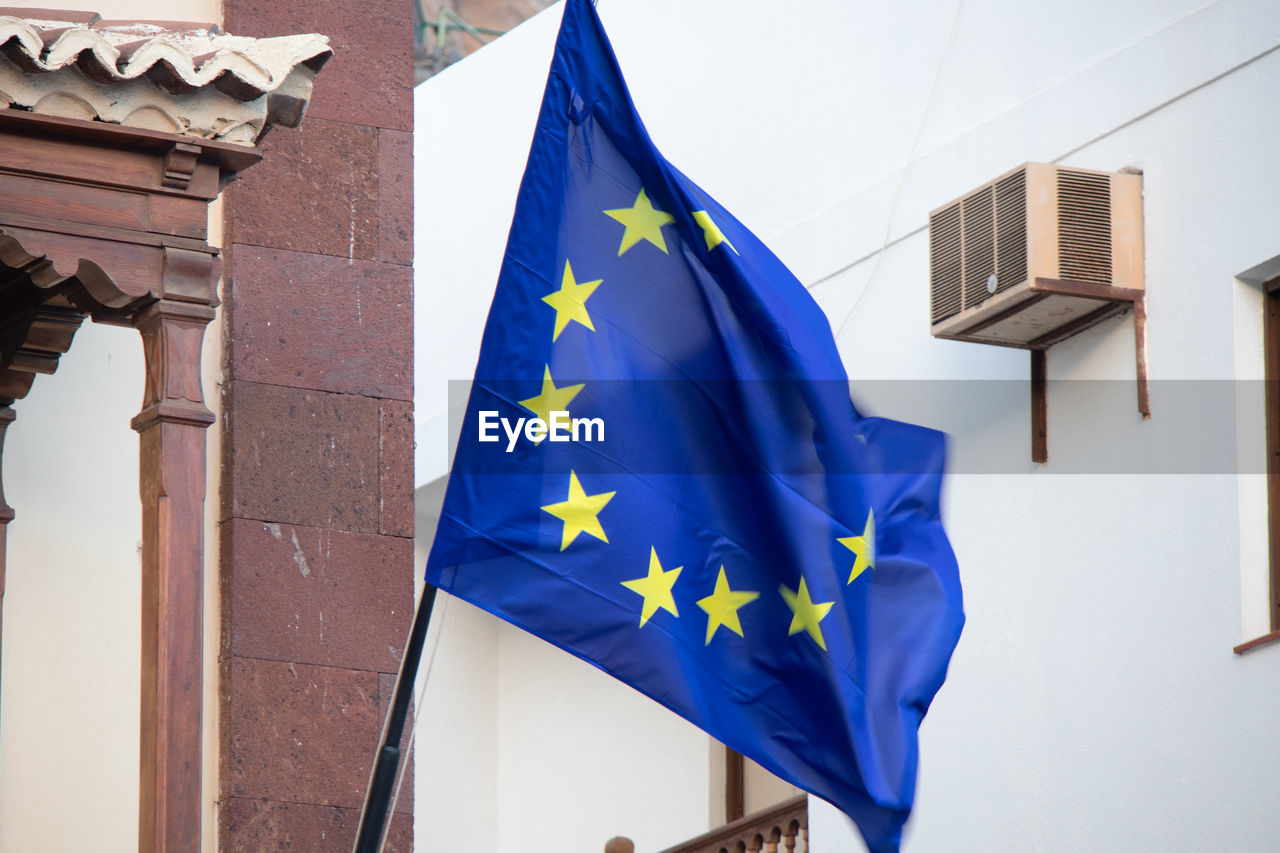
(382, 782)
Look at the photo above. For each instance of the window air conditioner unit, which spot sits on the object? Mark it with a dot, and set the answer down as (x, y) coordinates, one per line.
(1036, 255)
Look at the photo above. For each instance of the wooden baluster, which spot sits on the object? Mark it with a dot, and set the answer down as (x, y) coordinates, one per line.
(620, 844)
(770, 830)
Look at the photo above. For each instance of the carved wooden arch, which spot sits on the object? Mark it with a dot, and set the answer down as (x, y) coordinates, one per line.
(110, 223)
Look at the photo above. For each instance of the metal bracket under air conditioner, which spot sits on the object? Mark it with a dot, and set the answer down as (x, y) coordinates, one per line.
(1113, 301)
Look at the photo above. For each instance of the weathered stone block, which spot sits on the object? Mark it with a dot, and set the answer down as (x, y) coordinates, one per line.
(315, 321)
(298, 733)
(370, 78)
(316, 190)
(302, 457)
(317, 596)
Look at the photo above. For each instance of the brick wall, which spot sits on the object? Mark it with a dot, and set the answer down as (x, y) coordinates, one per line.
(317, 492)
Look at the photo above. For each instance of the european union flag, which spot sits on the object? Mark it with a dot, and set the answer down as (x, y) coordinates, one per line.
(661, 471)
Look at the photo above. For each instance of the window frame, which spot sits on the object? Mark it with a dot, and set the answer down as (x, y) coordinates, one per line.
(1271, 383)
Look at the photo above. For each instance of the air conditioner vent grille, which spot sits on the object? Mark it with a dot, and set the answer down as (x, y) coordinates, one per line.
(978, 219)
(1011, 231)
(1024, 259)
(945, 250)
(1084, 231)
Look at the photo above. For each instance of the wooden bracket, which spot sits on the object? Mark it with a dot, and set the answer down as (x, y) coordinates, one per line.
(180, 165)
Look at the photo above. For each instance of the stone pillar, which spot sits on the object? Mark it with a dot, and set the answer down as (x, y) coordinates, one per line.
(317, 493)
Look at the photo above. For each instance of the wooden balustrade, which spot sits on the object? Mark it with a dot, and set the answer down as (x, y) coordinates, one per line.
(783, 828)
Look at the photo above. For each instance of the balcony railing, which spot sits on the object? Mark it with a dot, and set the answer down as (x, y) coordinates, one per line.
(784, 827)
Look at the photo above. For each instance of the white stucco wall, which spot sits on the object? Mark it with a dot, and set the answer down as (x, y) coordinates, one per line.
(1094, 701)
(69, 696)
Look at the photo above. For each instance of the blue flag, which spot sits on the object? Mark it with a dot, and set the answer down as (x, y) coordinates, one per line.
(661, 471)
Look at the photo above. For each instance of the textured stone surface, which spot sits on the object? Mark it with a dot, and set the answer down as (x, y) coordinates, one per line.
(314, 321)
(316, 190)
(319, 438)
(395, 510)
(298, 733)
(261, 826)
(317, 596)
(395, 197)
(370, 78)
(302, 457)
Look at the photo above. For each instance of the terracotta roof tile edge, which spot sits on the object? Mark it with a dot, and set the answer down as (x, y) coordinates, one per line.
(260, 65)
(190, 79)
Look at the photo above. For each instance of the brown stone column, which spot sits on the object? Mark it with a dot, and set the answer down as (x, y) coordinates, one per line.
(172, 427)
(317, 494)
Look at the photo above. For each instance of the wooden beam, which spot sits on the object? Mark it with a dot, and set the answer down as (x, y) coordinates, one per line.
(46, 130)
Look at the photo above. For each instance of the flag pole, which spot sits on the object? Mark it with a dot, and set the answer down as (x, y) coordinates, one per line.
(377, 800)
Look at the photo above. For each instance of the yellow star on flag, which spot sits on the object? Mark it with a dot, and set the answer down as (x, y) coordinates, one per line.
(722, 607)
(570, 302)
(863, 547)
(806, 613)
(552, 399)
(710, 231)
(579, 512)
(655, 588)
(643, 221)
